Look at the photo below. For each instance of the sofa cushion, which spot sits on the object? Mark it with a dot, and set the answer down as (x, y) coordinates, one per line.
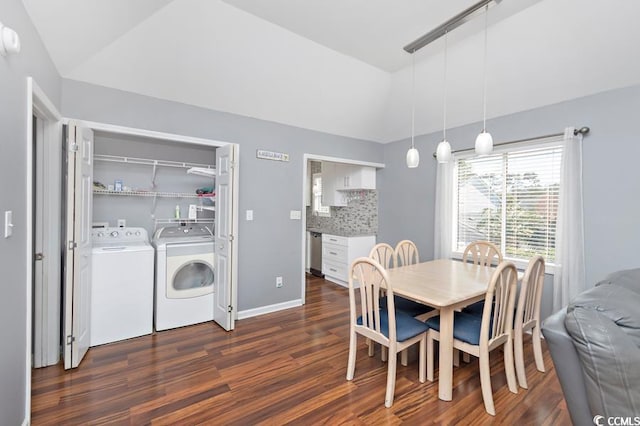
(629, 279)
(616, 303)
(610, 361)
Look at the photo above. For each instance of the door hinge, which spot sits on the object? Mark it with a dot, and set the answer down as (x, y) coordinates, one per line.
(72, 245)
(70, 339)
(231, 237)
(73, 147)
(229, 308)
(38, 256)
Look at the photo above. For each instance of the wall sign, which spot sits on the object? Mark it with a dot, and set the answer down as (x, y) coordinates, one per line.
(271, 155)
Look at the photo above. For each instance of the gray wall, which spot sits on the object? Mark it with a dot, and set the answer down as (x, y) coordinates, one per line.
(32, 61)
(611, 178)
(271, 244)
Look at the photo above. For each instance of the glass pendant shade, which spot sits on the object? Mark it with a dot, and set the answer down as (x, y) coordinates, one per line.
(484, 143)
(443, 152)
(413, 158)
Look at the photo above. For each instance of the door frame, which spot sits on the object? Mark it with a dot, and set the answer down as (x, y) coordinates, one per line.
(38, 104)
(305, 185)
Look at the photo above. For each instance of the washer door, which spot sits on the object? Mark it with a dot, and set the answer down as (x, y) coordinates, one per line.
(190, 275)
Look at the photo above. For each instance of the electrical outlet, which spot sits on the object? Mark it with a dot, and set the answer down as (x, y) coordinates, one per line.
(279, 282)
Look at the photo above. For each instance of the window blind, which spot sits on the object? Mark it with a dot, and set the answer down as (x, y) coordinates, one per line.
(511, 199)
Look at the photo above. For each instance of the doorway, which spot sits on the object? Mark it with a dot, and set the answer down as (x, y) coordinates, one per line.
(82, 136)
(311, 166)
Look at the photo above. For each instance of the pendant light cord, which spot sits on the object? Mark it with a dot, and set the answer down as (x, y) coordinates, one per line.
(413, 96)
(484, 72)
(444, 102)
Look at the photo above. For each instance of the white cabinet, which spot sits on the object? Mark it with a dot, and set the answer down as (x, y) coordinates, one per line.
(330, 178)
(338, 177)
(338, 252)
(355, 177)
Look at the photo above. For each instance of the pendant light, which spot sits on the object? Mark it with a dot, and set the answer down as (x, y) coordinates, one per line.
(484, 141)
(443, 152)
(413, 156)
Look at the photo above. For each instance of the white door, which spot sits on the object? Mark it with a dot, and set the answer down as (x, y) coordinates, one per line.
(77, 286)
(226, 166)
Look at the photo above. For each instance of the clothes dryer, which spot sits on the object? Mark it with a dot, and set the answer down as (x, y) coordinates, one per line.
(184, 276)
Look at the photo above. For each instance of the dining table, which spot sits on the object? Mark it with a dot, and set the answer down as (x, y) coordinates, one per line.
(446, 285)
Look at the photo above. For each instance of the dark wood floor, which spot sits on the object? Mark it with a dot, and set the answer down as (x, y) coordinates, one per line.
(280, 368)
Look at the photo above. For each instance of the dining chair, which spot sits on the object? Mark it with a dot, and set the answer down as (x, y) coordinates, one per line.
(481, 253)
(478, 336)
(406, 253)
(392, 329)
(528, 317)
(385, 255)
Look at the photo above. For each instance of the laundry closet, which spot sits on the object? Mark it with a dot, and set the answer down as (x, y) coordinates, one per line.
(150, 226)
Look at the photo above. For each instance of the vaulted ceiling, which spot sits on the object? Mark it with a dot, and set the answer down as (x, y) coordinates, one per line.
(338, 66)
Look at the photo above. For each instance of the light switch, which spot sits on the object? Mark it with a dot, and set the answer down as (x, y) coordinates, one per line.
(295, 214)
(8, 223)
(249, 214)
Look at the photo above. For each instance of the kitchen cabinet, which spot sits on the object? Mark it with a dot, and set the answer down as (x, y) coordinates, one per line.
(338, 252)
(350, 177)
(339, 177)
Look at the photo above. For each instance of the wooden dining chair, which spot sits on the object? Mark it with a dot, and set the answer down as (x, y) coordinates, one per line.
(528, 317)
(395, 330)
(385, 255)
(481, 253)
(478, 336)
(406, 253)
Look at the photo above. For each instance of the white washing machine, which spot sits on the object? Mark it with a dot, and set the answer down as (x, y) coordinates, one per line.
(184, 275)
(121, 284)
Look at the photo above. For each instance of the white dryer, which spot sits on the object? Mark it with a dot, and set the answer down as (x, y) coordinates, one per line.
(121, 284)
(184, 276)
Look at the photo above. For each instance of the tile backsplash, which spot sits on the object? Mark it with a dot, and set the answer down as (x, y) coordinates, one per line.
(360, 216)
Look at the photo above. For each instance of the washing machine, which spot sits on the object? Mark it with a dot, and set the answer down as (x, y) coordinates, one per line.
(184, 275)
(122, 273)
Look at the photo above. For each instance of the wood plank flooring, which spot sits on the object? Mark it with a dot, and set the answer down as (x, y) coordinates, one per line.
(287, 367)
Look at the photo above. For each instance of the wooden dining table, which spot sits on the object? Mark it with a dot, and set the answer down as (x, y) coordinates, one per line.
(446, 285)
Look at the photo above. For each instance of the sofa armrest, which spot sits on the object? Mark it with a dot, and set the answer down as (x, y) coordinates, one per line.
(568, 368)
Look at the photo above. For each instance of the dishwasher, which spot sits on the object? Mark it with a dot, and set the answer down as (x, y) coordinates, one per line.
(316, 254)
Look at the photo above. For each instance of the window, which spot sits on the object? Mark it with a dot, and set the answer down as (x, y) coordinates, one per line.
(317, 207)
(509, 198)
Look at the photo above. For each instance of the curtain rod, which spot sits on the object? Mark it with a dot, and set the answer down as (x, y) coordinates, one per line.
(582, 131)
(462, 17)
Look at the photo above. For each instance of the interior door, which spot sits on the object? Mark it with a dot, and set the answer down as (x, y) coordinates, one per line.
(39, 277)
(77, 286)
(224, 238)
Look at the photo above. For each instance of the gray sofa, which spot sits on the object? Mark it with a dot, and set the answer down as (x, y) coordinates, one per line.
(595, 347)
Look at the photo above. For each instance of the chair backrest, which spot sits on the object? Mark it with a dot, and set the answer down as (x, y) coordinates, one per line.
(497, 317)
(482, 253)
(384, 254)
(406, 253)
(531, 291)
(370, 275)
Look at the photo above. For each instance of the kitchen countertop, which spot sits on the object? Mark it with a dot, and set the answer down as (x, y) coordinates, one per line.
(342, 233)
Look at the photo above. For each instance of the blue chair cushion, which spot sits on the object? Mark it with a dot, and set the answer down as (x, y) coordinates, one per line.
(407, 306)
(466, 327)
(406, 325)
(475, 309)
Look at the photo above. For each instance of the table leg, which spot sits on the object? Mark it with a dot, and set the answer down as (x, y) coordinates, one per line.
(445, 369)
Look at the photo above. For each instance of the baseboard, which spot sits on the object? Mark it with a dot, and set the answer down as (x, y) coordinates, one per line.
(269, 309)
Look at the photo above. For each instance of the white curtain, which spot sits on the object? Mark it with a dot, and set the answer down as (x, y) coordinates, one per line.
(444, 210)
(569, 278)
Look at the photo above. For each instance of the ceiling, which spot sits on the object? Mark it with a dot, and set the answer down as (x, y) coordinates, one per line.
(337, 66)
